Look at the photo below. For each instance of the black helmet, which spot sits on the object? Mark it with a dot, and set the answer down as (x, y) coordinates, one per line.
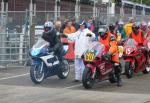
(135, 27)
(111, 27)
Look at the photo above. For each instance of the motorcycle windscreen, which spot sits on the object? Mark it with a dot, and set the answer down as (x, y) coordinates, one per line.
(94, 49)
(40, 43)
(130, 43)
(40, 46)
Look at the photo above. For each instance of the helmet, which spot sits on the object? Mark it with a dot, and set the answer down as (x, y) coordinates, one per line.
(121, 22)
(144, 26)
(82, 22)
(103, 32)
(135, 27)
(111, 27)
(112, 38)
(48, 26)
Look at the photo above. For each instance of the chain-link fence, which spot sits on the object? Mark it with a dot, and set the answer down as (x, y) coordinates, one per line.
(15, 30)
(14, 40)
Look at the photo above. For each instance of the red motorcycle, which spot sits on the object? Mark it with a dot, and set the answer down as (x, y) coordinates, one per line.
(148, 45)
(134, 57)
(96, 67)
(148, 49)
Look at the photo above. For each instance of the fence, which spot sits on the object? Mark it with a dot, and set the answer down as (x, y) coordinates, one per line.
(15, 30)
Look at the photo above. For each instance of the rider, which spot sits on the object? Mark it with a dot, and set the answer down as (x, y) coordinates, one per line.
(104, 37)
(112, 30)
(113, 53)
(50, 35)
(137, 34)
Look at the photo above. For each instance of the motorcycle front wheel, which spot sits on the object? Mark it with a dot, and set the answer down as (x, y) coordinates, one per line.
(37, 73)
(87, 79)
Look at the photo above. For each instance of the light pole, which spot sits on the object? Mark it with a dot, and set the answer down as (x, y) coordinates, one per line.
(77, 9)
(32, 21)
(57, 9)
(94, 9)
(4, 11)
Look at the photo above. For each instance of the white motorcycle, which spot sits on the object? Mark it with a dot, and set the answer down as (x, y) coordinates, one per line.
(45, 64)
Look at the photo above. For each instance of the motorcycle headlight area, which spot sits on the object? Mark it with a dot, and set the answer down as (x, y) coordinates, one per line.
(129, 50)
(35, 52)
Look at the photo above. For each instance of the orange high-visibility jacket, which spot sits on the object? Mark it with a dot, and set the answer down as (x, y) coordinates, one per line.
(114, 51)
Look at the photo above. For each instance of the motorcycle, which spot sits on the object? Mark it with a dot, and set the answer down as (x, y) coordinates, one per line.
(97, 68)
(135, 60)
(45, 64)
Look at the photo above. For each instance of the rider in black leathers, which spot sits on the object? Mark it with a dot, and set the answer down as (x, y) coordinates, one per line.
(49, 35)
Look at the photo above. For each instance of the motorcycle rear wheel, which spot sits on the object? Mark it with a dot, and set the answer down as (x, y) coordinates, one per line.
(128, 70)
(146, 71)
(87, 79)
(64, 70)
(35, 73)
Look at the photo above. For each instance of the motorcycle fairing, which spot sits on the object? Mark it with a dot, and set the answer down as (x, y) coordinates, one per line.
(50, 60)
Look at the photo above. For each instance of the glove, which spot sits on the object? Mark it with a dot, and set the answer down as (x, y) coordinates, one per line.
(107, 55)
(89, 35)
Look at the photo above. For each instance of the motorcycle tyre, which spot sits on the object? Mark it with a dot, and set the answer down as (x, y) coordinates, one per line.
(128, 70)
(87, 73)
(61, 74)
(32, 74)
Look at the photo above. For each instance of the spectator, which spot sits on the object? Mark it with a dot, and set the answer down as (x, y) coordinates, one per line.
(69, 28)
(76, 25)
(82, 39)
(58, 27)
(128, 27)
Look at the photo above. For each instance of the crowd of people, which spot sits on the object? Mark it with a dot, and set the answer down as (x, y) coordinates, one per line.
(84, 32)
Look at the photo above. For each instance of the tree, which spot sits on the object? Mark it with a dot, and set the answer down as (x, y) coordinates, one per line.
(147, 2)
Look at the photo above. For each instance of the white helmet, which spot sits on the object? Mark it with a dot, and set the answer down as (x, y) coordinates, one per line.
(48, 26)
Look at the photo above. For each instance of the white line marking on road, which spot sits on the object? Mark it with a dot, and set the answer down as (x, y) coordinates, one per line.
(5, 78)
(71, 65)
(72, 86)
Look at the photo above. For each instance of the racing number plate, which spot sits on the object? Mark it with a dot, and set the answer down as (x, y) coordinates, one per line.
(89, 56)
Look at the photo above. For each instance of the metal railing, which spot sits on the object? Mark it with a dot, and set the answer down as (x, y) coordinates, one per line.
(15, 36)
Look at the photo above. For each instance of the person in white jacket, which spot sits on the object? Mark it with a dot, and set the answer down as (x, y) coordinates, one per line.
(83, 37)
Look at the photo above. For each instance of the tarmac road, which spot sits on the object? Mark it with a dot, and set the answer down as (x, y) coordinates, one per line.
(16, 87)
